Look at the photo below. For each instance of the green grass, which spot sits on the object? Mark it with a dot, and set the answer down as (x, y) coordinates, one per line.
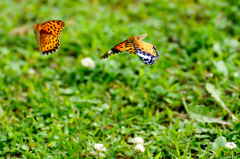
(53, 107)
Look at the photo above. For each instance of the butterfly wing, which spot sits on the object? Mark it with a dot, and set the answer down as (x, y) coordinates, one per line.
(147, 52)
(53, 27)
(140, 37)
(49, 43)
(116, 49)
(47, 35)
(37, 33)
(130, 48)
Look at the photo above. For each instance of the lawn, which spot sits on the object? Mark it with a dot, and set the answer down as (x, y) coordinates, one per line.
(184, 106)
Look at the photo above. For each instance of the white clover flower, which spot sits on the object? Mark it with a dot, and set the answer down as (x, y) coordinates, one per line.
(137, 140)
(88, 62)
(139, 147)
(99, 147)
(231, 145)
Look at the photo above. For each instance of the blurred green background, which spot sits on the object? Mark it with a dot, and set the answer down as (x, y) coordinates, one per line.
(54, 107)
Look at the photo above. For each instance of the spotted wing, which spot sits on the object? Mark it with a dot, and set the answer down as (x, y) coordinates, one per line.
(147, 52)
(49, 34)
(53, 27)
(116, 49)
(130, 48)
(49, 43)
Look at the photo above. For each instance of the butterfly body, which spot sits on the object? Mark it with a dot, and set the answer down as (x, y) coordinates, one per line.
(147, 52)
(47, 34)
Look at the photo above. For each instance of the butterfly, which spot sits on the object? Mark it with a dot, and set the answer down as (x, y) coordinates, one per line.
(147, 52)
(47, 34)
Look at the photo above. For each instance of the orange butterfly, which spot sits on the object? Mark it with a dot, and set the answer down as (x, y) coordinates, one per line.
(47, 35)
(147, 52)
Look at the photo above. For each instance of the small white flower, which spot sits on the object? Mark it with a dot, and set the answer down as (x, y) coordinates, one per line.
(99, 147)
(137, 140)
(88, 62)
(231, 145)
(139, 147)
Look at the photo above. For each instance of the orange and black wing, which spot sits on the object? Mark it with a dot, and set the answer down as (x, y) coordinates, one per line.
(49, 34)
(53, 27)
(130, 48)
(147, 52)
(116, 49)
(49, 43)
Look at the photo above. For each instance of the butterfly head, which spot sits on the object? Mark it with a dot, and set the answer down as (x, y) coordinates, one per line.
(132, 39)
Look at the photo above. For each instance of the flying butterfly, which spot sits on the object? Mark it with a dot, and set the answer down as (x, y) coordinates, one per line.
(47, 34)
(147, 52)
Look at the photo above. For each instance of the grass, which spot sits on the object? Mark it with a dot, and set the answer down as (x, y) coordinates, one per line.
(184, 106)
